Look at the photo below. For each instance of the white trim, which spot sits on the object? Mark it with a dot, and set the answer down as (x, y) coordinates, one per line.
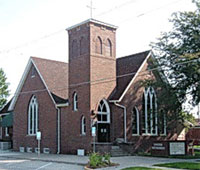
(19, 87)
(133, 79)
(125, 114)
(46, 87)
(33, 115)
(83, 126)
(21, 83)
(148, 94)
(93, 21)
(107, 113)
(62, 105)
(75, 102)
(4, 114)
(6, 132)
(58, 130)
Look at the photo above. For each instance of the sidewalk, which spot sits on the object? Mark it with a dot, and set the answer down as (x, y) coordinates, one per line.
(58, 158)
(126, 161)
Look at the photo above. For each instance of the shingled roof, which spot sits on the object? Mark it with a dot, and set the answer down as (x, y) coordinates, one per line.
(55, 75)
(127, 68)
(4, 109)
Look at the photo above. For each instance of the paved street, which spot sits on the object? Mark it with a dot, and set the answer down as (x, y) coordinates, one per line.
(22, 164)
(31, 161)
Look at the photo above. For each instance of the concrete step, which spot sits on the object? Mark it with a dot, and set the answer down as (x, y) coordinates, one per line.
(115, 147)
(117, 151)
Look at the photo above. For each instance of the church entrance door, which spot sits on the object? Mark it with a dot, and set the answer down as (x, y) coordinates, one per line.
(103, 132)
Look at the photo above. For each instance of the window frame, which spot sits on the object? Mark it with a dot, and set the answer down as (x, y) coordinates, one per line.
(108, 50)
(83, 125)
(75, 102)
(99, 46)
(101, 112)
(33, 116)
(6, 131)
(148, 94)
(137, 122)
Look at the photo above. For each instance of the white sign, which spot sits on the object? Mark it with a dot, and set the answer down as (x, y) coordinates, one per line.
(93, 131)
(177, 148)
(38, 135)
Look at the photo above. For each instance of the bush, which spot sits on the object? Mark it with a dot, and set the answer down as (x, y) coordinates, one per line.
(98, 160)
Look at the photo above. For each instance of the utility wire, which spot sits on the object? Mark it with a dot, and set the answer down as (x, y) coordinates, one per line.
(150, 11)
(62, 30)
(105, 80)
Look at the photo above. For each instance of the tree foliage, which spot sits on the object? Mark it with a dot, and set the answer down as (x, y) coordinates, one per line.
(178, 54)
(4, 92)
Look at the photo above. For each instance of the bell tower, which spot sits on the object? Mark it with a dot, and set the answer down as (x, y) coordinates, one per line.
(92, 62)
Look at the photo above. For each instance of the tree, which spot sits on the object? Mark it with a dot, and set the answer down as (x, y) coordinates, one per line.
(178, 55)
(4, 92)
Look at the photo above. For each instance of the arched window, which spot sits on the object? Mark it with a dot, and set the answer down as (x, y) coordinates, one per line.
(108, 48)
(74, 48)
(83, 46)
(98, 46)
(83, 126)
(143, 114)
(150, 112)
(135, 121)
(75, 102)
(162, 123)
(33, 116)
(103, 112)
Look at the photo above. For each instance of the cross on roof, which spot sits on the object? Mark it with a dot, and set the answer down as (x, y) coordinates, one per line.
(91, 8)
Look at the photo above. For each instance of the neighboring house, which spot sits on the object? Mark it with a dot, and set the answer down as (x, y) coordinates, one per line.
(6, 123)
(63, 101)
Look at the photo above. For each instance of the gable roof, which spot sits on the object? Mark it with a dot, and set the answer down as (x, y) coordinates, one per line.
(54, 75)
(127, 69)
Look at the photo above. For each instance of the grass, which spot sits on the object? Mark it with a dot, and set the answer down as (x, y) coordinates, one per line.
(197, 155)
(141, 168)
(184, 165)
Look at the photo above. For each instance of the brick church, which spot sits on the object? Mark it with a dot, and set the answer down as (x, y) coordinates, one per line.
(64, 100)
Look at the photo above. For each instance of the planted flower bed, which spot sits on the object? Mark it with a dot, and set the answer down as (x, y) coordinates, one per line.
(97, 160)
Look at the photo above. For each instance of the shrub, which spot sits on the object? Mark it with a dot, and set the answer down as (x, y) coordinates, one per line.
(98, 160)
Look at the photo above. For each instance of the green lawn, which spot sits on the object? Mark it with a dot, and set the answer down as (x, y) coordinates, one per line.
(184, 165)
(197, 156)
(141, 168)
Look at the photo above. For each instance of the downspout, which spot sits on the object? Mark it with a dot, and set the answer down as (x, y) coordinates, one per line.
(123, 107)
(58, 130)
(58, 108)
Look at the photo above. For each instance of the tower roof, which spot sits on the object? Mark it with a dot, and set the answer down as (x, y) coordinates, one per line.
(91, 20)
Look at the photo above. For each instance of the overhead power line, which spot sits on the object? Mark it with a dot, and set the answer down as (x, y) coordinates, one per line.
(105, 80)
(103, 13)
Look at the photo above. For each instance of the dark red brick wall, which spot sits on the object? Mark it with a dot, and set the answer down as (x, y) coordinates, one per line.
(47, 116)
(193, 134)
(84, 72)
(133, 98)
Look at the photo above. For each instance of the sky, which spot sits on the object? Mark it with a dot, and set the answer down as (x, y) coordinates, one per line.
(37, 27)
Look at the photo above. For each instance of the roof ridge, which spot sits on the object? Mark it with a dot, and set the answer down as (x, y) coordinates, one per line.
(134, 55)
(32, 57)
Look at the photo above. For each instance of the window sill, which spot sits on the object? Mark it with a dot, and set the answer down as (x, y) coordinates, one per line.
(163, 134)
(82, 134)
(135, 135)
(31, 135)
(145, 134)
